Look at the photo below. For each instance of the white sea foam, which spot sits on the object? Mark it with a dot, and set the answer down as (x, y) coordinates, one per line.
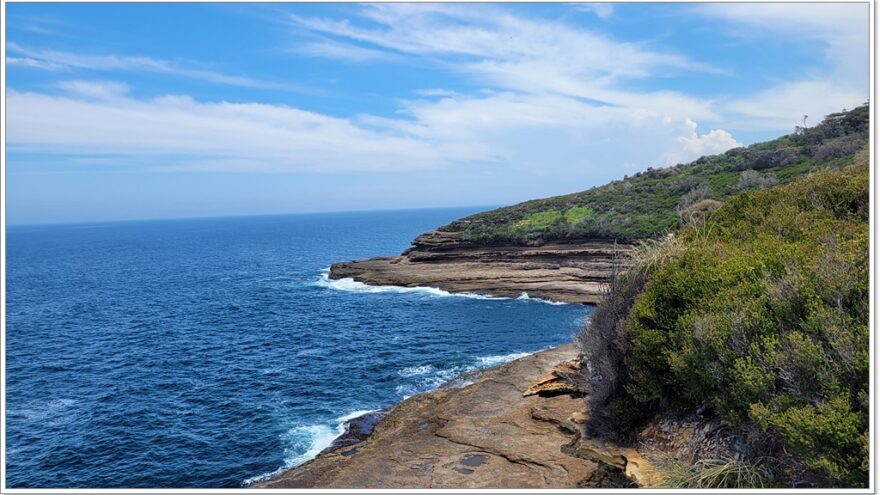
(416, 370)
(318, 437)
(351, 285)
(429, 377)
(525, 297)
(487, 361)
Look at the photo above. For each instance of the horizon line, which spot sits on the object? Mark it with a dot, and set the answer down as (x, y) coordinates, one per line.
(218, 217)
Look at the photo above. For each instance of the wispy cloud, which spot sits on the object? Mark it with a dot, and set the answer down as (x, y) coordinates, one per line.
(60, 60)
(343, 51)
(45, 25)
(548, 94)
(601, 10)
(484, 36)
(839, 31)
(552, 95)
(98, 119)
(36, 63)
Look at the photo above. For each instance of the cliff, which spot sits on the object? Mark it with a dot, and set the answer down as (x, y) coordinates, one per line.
(571, 272)
(563, 248)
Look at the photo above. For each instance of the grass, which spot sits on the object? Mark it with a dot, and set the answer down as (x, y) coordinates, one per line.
(713, 473)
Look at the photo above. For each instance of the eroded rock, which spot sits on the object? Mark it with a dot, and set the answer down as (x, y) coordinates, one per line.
(484, 435)
(570, 272)
(566, 377)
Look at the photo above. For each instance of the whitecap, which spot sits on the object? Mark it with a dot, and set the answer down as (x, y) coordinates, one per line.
(352, 285)
(416, 370)
(487, 361)
(318, 437)
(525, 297)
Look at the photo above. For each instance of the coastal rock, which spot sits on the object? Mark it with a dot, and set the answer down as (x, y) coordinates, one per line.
(572, 272)
(356, 430)
(484, 435)
(566, 377)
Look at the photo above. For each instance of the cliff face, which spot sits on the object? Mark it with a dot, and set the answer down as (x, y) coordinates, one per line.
(571, 272)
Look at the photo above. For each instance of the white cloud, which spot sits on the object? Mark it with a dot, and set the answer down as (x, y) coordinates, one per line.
(840, 32)
(35, 64)
(484, 36)
(58, 60)
(508, 130)
(784, 105)
(554, 98)
(95, 89)
(694, 145)
(211, 136)
(601, 10)
(342, 51)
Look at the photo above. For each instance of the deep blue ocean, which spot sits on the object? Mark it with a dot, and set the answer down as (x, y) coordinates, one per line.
(211, 352)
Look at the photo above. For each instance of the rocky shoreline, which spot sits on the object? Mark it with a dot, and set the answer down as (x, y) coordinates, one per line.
(571, 272)
(516, 425)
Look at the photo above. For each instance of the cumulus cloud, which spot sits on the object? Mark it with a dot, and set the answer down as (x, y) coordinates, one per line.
(694, 145)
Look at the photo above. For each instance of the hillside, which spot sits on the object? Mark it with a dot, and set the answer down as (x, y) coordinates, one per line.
(650, 203)
(758, 315)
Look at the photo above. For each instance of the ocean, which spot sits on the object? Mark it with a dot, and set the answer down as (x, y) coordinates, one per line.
(215, 352)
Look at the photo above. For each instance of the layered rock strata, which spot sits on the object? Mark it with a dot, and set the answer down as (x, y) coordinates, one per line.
(572, 272)
(484, 435)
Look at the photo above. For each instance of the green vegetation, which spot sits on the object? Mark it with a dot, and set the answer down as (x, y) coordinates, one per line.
(758, 311)
(647, 204)
(713, 473)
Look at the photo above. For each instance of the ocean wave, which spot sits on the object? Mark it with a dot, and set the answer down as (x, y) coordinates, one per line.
(525, 297)
(315, 438)
(487, 361)
(416, 370)
(351, 285)
(429, 377)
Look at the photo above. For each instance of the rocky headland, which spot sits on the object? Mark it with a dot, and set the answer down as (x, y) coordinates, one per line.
(569, 271)
(515, 426)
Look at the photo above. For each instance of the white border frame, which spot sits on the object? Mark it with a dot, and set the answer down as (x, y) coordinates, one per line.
(873, 246)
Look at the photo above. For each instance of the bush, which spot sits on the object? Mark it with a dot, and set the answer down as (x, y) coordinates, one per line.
(837, 148)
(762, 313)
(751, 179)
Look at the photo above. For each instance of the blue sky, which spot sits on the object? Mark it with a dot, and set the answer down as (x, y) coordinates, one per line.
(126, 111)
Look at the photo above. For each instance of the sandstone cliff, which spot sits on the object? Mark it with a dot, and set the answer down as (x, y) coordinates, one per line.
(571, 272)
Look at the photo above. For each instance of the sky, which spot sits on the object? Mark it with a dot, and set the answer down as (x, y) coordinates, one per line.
(135, 111)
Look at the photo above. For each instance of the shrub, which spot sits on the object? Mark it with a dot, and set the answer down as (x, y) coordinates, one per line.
(762, 313)
(751, 179)
(844, 146)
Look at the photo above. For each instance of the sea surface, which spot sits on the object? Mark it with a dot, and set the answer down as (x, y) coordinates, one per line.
(214, 352)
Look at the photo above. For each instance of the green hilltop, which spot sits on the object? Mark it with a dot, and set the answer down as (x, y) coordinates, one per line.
(654, 202)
